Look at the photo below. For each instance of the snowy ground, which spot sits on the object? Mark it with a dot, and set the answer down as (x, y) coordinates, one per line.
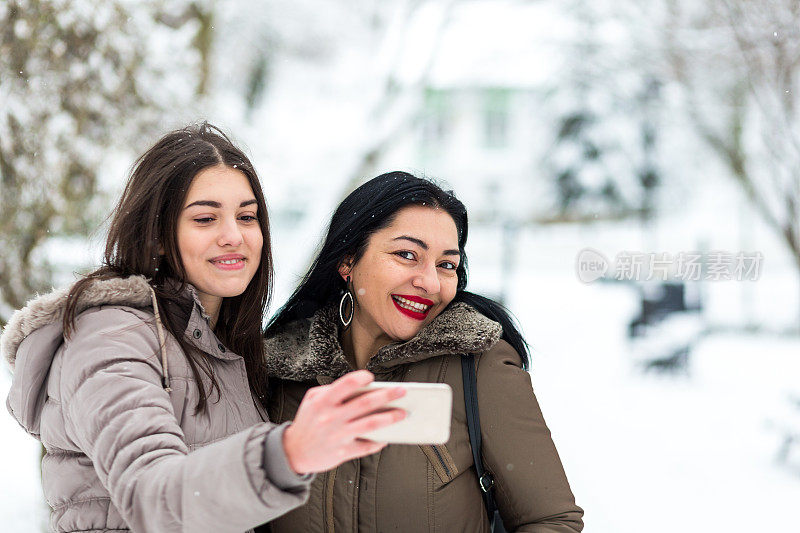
(662, 453)
(22, 506)
(644, 453)
(656, 453)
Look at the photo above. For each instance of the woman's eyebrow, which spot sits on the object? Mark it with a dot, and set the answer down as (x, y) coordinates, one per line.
(418, 242)
(217, 205)
(423, 245)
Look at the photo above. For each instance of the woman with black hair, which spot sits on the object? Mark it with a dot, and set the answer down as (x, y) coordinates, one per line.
(387, 293)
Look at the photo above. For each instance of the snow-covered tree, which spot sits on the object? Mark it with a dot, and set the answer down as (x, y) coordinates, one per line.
(362, 62)
(602, 161)
(80, 81)
(739, 63)
(321, 90)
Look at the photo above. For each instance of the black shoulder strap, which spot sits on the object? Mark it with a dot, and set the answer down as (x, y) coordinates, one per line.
(485, 480)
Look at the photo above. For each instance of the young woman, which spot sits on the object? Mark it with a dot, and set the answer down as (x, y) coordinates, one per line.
(143, 380)
(395, 250)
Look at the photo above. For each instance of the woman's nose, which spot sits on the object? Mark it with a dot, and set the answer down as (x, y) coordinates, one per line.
(428, 280)
(230, 234)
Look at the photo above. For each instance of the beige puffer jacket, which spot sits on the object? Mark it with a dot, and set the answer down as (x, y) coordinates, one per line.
(123, 451)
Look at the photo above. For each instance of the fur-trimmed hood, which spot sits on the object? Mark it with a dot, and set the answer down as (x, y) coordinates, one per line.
(35, 333)
(48, 309)
(309, 348)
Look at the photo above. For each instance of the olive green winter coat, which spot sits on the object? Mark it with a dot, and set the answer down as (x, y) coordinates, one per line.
(413, 488)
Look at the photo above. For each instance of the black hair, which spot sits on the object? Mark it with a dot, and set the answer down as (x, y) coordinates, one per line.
(370, 208)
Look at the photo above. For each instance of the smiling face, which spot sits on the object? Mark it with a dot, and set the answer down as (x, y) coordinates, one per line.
(406, 276)
(218, 235)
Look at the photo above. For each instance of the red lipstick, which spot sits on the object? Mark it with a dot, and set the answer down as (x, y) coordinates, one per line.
(404, 304)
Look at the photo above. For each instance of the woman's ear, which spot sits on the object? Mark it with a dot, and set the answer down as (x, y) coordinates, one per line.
(345, 267)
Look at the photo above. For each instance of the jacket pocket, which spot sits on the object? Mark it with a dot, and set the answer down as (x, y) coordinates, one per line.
(441, 460)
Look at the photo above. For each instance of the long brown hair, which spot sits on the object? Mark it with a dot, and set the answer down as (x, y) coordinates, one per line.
(145, 221)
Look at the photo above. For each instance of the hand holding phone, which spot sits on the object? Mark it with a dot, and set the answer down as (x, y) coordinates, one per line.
(428, 408)
(327, 428)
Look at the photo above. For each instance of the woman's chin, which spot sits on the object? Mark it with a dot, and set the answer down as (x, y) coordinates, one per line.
(227, 290)
(404, 334)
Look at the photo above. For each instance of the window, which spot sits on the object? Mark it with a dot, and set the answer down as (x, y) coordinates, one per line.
(436, 119)
(496, 118)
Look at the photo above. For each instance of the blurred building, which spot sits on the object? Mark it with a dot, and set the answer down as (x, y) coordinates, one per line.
(485, 142)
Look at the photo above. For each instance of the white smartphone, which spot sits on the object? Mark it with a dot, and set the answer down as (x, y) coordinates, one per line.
(428, 407)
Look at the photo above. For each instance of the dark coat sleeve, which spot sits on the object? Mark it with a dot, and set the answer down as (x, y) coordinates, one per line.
(531, 487)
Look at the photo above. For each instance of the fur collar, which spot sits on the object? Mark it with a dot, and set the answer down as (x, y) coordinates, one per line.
(133, 291)
(308, 348)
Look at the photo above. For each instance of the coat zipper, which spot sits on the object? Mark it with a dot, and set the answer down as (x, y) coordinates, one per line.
(441, 460)
(327, 511)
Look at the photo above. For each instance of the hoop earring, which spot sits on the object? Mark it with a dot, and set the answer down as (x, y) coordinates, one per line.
(347, 295)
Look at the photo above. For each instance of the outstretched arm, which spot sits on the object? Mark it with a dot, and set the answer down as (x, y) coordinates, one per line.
(118, 414)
